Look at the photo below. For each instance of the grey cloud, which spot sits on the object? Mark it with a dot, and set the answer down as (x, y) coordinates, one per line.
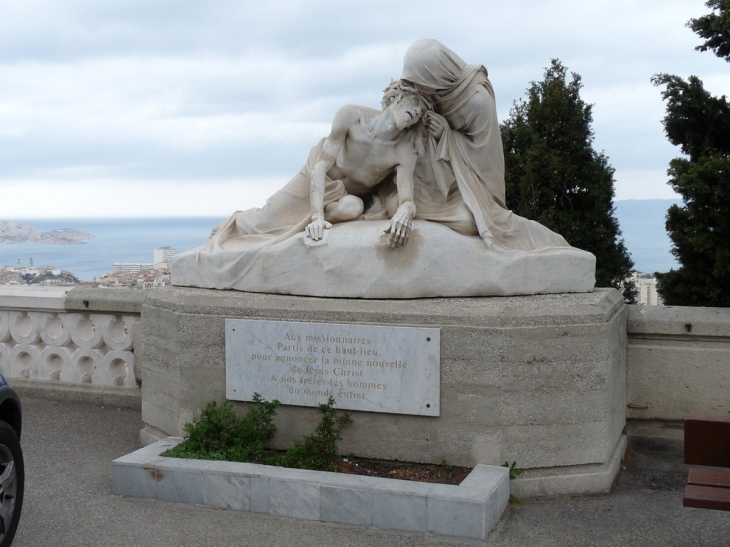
(167, 89)
(134, 159)
(297, 30)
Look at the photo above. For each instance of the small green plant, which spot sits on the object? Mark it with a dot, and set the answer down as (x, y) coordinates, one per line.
(514, 472)
(446, 465)
(218, 434)
(319, 451)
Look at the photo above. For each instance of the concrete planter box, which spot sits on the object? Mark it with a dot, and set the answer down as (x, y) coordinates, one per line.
(469, 510)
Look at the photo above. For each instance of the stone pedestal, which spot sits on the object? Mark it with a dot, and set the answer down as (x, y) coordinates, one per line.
(539, 380)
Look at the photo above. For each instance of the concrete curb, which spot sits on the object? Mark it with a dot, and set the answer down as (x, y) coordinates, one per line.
(469, 510)
(123, 397)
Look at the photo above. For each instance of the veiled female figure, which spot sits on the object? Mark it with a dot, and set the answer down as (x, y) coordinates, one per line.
(460, 179)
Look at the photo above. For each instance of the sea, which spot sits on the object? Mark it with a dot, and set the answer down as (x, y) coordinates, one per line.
(134, 240)
(642, 228)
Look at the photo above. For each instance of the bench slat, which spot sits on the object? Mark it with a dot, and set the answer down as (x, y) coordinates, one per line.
(707, 441)
(706, 497)
(709, 477)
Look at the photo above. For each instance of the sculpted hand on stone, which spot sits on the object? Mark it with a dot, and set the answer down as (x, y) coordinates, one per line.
(400, 226)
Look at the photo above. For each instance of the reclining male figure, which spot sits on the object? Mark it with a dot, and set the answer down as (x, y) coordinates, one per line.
(362, 149)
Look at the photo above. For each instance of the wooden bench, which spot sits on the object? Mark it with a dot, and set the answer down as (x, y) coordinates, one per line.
(707, 443)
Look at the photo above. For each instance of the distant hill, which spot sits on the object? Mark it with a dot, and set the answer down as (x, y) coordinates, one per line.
(642, 225)
(12, 232)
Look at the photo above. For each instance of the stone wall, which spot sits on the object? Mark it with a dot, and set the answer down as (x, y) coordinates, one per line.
(678, 362)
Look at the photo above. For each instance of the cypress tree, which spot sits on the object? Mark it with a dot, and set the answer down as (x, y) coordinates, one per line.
(554, 176)
(699, 124)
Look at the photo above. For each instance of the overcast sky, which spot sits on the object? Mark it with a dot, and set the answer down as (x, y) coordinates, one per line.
(134, 108)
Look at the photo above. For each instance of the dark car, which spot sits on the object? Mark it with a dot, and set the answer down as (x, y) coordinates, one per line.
(12, 471)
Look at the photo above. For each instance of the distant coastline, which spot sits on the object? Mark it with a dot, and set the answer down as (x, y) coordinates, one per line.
(14, 232)
(115, 240)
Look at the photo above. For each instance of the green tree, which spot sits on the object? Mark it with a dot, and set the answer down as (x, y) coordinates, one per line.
(699, 124)
(554, 176)
(714, 28)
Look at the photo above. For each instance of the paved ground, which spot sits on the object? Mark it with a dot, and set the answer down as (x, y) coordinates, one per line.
(69, 448)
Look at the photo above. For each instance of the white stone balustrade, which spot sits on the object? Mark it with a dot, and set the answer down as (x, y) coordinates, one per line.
(40, 339)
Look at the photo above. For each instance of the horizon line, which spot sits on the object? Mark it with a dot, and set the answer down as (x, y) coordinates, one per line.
(209, 215)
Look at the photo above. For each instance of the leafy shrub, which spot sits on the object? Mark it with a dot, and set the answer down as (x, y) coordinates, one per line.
(218, 434)
(318, 451)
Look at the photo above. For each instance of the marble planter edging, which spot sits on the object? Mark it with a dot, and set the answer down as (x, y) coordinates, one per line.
(469, 510)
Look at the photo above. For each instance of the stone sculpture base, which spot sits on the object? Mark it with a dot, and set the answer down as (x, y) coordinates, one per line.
(538, 380)
(354, 263)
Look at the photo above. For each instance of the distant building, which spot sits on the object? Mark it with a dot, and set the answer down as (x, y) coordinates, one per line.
(132, 266)
(42, 275)
(646, 284)
(146, 279)
(162, 255)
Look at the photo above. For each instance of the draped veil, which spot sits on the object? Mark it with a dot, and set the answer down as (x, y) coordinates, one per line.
(462, 172)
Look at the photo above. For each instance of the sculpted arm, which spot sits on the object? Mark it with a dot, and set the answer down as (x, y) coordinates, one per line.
(326, 159)
(399, 229)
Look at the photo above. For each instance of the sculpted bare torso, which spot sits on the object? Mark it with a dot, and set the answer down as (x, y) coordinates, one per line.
(364, 147)
(366, 158)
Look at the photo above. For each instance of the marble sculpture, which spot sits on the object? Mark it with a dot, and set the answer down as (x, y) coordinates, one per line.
(404, 202)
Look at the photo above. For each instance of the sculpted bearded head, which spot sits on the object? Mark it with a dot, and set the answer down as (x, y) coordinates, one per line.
(399, 89)
(408, 104)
